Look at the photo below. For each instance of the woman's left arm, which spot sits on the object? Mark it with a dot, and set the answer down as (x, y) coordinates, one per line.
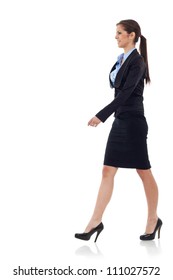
(135, 73)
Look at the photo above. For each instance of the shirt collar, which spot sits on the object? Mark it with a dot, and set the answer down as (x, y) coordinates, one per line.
(124, 56)
(120, 58)
(128, 53)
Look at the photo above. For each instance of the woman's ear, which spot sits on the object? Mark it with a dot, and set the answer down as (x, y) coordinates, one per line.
(132, 35)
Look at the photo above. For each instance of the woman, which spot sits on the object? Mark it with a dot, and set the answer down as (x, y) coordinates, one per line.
(126, 145)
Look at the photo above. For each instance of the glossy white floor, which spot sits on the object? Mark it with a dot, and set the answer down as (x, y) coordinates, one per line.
(51, 161)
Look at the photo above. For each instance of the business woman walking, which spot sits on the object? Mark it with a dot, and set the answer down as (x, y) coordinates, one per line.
(127, 141)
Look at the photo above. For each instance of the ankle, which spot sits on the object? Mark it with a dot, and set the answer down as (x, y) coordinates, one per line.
(152, 219)
(92, 224)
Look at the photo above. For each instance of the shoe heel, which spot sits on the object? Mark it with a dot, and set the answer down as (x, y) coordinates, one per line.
(98, 232)
(159, 232)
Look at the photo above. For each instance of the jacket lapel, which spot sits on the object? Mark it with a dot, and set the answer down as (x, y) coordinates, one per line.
(123, 68)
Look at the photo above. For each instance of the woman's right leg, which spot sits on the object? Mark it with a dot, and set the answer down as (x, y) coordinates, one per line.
(104, 196)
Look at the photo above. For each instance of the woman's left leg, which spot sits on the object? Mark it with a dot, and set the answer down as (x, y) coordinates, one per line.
(104, 196)
(151, 191)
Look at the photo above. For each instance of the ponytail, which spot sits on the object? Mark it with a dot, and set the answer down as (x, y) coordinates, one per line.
(143, 52)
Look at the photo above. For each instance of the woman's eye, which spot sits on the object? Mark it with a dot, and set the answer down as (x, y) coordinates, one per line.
(118, 32)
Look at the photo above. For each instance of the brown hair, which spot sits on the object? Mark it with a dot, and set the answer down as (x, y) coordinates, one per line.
(132, 26)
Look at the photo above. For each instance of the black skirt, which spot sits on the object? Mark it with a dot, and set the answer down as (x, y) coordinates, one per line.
(127, 142)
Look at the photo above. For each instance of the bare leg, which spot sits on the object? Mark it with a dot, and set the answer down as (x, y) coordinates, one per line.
(151, 191)
(104, 196)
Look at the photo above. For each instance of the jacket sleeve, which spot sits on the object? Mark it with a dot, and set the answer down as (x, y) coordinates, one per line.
(135, 73)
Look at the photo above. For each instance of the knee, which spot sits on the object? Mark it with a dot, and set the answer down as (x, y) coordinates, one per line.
(143, 173)
(108, 171)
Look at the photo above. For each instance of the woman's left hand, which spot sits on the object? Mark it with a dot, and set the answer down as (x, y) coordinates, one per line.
(94, 121)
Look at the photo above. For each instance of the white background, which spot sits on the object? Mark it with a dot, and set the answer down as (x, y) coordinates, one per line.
(55, 57)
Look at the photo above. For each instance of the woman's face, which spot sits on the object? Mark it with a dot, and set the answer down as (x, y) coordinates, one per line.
(123, 38)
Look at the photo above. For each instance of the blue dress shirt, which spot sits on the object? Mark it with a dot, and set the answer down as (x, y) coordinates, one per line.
(121, 57)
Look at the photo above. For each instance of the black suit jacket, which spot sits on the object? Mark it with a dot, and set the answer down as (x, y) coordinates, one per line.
(129, 87)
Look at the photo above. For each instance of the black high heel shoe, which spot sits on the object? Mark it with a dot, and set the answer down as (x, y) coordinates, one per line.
(151, 236)
(87, 235)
